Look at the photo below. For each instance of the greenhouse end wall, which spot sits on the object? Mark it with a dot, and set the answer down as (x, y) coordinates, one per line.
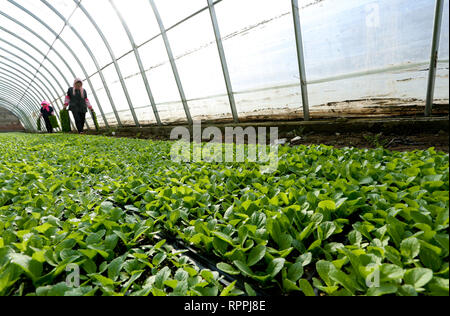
(9, 122)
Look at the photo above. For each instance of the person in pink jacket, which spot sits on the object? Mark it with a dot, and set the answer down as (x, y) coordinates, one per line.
(47, 111)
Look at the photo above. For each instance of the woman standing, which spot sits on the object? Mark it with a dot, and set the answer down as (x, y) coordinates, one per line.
(78, 103)
(46, 112)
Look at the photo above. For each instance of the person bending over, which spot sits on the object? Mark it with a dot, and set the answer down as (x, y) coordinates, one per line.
(47, 111)
(78, 103)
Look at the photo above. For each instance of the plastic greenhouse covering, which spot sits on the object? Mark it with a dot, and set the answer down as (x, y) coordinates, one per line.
(165, 61)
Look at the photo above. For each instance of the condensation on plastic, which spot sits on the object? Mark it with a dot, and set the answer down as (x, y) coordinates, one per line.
(364, 36)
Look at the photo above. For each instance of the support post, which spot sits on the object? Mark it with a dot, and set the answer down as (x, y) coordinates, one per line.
(301, 59)
(172, 61)
(223, 61)
(434, 57)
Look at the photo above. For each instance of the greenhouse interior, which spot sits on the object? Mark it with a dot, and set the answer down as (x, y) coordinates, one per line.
(239, 148)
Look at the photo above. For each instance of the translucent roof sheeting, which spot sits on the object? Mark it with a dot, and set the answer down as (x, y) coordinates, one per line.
(165, 61)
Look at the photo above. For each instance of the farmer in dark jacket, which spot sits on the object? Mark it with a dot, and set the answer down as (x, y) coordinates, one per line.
(46, 112)
(78, 103)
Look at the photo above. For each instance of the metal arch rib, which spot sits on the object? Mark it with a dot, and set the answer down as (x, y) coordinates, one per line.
(24, 75)
(13, 68)
(26, 112)
(223, 61)
(301, 59)
(13, 91)
(28, 116)
(159, 34)
(41, 53)
(86, 46)
(31, 99)
(23, 83)
(172, 62)
(32, 46)
(46, 43)
(18, 80)
(71, 52)
(29, 78)
(11, 79)
(26, 106)
(23, 87)
(139, 62)
(31, 66)
(17, 114)
(116, 65)
(22, 117)
(36, 49)
(33, 89)
(434, 56)
(15, 94)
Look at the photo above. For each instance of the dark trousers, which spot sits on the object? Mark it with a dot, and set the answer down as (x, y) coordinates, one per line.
(80, 120)
(48, 124)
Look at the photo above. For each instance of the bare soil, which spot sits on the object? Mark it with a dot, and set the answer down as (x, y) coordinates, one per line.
(397, 134)
(392, 142)
(410, 142)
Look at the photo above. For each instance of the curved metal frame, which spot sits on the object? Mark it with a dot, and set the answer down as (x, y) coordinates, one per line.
(19, 81)
(159, 34)
(17, 112)
(31, 125)
(27, 115)
(16, 94)
(14, 82)
(19, 116)
(42, 66)
(36, 89)
(434, 56)
(12, 67)
(27, 70)
(172, 61)
(11, 102)
(43, 96)
(58, 37)
(40, 53)
(32, 100)
(116, 65)
(51, 48)
(91, 54)
(223, 60)
(301, 59)
(13, 92)
(45, 42)
(139, 62)
(26, 107)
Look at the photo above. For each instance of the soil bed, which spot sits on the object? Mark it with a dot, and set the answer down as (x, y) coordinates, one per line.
(413, 141)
